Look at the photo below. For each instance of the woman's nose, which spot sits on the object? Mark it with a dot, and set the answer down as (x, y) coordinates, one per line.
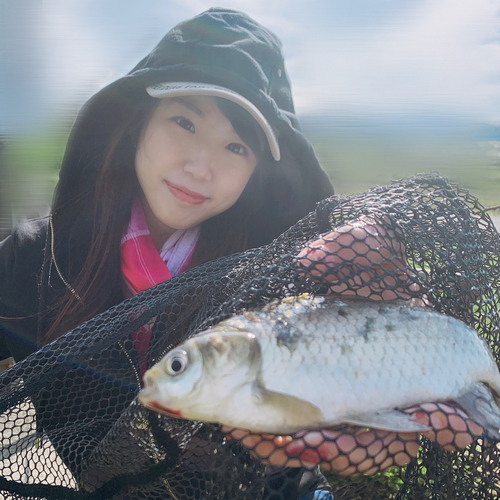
(199, 165)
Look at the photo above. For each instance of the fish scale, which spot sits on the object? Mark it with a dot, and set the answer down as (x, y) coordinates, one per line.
(381, 354)
(315, 362)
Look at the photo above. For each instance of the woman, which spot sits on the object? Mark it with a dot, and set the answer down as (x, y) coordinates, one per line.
(206, 166)
(194, 155)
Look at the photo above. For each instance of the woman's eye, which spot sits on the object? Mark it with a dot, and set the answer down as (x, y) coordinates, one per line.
(184, 123)
(237, 148)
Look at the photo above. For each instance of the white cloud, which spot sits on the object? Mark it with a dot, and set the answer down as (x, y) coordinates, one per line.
(272, 14)
(89, 45)
(76, 62)
(443, 54)
(365, 55)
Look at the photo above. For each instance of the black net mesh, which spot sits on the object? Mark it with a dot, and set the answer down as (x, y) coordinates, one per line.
(71, 427)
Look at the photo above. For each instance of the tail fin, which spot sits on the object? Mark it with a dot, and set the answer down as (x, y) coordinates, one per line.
(483, 406)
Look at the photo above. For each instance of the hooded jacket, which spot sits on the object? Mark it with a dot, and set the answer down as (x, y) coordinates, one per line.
(219, 46)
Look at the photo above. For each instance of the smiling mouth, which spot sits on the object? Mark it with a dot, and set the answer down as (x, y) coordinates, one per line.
(186, 195)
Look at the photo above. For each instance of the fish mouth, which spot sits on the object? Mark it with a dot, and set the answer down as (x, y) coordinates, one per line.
(155, 406)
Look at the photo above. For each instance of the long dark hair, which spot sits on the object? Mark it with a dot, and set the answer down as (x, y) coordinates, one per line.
(99, 284)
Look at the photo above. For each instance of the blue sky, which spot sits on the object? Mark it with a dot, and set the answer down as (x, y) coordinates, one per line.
(351, 57)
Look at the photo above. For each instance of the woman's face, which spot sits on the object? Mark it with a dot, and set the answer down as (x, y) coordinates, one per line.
(190, 163)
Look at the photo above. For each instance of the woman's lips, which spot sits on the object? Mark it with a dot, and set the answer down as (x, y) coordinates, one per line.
(186, 195)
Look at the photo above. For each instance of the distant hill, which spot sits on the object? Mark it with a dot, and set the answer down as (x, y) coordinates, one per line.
(397, 125)
(360, 151)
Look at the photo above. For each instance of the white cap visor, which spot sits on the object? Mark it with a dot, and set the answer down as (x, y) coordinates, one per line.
(179, 89)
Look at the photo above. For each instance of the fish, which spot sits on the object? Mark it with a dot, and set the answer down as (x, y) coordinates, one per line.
(316, 362)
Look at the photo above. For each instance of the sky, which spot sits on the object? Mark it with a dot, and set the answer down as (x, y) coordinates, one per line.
(350, 57)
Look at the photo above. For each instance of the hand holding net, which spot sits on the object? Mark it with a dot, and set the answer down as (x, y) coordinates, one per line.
(353, 450)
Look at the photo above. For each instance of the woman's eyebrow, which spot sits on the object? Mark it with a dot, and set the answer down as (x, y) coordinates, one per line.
(192, 107)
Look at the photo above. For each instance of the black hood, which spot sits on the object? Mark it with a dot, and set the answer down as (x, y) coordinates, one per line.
(219, 46)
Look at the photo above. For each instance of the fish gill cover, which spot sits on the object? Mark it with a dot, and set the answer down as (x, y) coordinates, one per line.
(73, 429)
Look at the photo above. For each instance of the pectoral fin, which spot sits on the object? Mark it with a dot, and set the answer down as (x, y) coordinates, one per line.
(294, 412)
(391, 420)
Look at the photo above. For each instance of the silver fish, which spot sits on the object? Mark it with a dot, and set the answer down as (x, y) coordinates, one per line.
(316, 362)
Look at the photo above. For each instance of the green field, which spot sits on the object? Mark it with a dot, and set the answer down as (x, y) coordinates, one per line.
(356, 162)
(355, 159)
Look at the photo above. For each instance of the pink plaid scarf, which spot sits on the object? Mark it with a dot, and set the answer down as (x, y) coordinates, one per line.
(143, 266)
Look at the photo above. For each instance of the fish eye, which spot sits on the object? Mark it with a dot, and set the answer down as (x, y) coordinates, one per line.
(176, 362)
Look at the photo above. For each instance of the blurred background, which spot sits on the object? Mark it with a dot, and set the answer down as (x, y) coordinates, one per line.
(384, 88)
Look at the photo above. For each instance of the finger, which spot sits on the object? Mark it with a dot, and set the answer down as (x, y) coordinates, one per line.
(353, 450)
(358, 262)
(363, 236)
(452, 428)
(272, 449)
(232, 433)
